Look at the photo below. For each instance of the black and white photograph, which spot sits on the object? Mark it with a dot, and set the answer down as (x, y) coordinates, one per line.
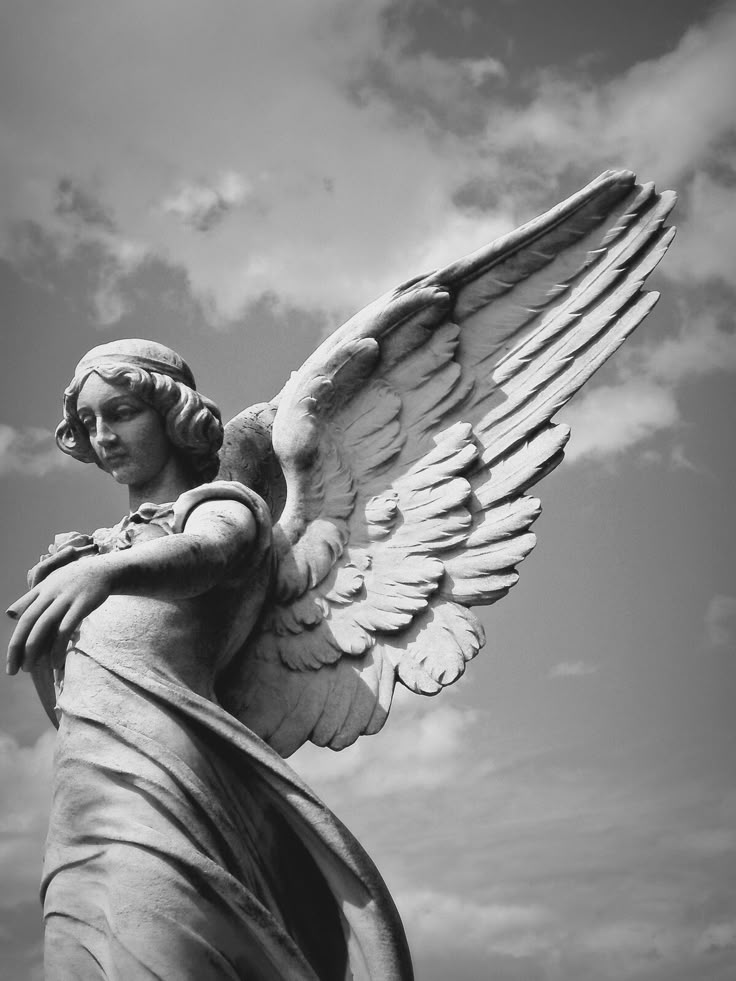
(367, 472)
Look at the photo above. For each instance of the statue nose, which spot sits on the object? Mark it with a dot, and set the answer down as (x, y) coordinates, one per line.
(105, 435)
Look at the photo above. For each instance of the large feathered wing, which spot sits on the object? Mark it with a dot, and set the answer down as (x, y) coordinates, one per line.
(408, 442)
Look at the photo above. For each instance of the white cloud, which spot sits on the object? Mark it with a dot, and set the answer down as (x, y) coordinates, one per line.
(706, 218)
(720, 621)
(347, 198)
(558, 846)
(671, 119)
(701, 347)
(665, 117)
(31, 451)
(354, 141)
(439, 921)
(108, 257)
(483, 69)
(679, 460)
(610, 419)
(717, 936)
(204, 204)
(25, 775)
(119, 260)
(418, 749)
(629, 948)
(543, 880)
(673, 112)
(572, 669)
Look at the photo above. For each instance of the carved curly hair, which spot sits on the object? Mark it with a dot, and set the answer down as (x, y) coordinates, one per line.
(193, 422)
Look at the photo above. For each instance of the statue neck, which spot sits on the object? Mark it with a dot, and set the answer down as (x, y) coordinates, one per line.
(169, 484)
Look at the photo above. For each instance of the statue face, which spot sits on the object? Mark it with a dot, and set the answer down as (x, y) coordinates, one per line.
(127, 435)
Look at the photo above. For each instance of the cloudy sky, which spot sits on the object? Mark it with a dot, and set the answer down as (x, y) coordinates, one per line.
(233, 178)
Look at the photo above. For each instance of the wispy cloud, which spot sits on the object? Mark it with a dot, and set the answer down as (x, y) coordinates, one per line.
(25, 775)
(362, 148)
(718, 937)
(31, 451)
(610, 419)
(551, 866)
(387, 206)
(637, 117)
(720, 621)
(422, 750)
(204, 204)
(707, 221)
(105, 261)
(534, 853)
(705, 344)
(437, 921)
(80, 204)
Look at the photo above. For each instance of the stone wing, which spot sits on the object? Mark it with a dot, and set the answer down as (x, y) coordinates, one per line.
(408, 442)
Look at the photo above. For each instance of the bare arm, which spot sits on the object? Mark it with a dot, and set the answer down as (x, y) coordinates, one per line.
(214, 546)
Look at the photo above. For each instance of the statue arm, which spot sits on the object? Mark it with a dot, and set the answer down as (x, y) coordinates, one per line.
(213, 547)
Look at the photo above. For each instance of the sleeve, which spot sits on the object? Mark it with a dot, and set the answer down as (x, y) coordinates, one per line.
(225, 490)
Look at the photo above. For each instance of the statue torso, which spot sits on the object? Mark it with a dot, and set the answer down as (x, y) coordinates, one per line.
(187, 640)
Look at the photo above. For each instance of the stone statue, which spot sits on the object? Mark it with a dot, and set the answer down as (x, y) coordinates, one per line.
(275, 593)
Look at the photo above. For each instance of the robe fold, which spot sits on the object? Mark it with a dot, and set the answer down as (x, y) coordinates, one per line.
(181, 847)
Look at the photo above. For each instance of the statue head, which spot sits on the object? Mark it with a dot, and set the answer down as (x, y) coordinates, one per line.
(162, 379)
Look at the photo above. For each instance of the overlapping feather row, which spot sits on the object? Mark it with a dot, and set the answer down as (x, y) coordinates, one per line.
(409, 441)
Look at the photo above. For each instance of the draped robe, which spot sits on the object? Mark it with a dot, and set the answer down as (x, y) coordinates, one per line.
(181, 847)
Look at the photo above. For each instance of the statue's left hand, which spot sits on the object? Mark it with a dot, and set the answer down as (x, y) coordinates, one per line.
(48, 614)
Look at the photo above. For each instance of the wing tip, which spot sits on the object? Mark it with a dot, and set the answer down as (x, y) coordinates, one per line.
(614, 175)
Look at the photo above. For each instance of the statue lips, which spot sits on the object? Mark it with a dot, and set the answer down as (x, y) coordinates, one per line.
(113, 461)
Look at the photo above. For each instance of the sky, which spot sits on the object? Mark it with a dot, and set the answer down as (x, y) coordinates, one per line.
(234, 179)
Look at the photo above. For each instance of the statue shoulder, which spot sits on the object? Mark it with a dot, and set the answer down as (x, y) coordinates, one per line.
(154, 520)
(220, 490)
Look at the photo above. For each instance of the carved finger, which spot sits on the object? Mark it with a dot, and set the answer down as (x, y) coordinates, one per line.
(43, 633)
(65, 555)
(45, 566)
(16, 611)
(69, 623)
(61, 642)
(26, 613)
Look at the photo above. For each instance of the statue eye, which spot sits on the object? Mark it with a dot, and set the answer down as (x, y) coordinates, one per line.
(88, 422)
(125, 412)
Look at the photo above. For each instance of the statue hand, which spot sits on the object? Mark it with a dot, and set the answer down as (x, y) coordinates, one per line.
(52, 609)
(62, 556)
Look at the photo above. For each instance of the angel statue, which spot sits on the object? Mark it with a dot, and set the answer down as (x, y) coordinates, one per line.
(272, 588)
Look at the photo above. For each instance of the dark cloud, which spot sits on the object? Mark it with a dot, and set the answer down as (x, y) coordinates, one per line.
(202, 205)
(77, 204)
(477, 194)
(100, 283)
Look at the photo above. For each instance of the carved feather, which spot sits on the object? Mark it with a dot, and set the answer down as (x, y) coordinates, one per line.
(408, 442)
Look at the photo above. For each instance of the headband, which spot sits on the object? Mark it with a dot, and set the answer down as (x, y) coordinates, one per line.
(139, 354)
(178, 373)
